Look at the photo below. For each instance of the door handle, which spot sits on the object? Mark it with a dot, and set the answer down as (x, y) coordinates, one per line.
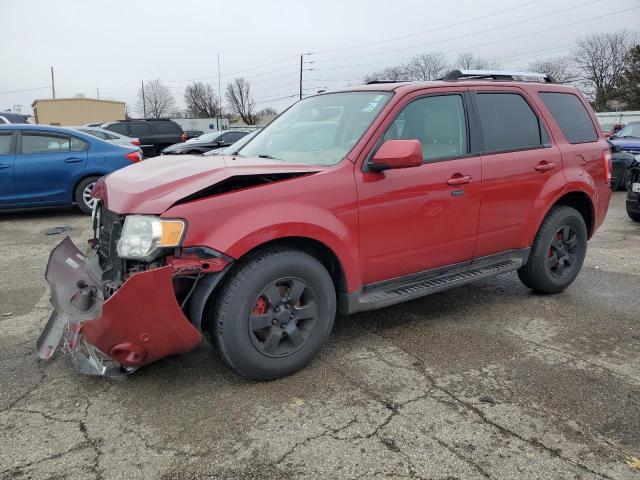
(545, 167)
(72, 160)
(461, 180)
(4, 165)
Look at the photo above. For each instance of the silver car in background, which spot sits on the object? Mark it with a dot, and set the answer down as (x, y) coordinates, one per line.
(111, 137)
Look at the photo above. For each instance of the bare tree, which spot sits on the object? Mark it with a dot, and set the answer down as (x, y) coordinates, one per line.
(158, 100)
(468, 61)
(392, 74)
(239, 98)
(427, 66)
(201, 101)
(600, 59)
(560, 68)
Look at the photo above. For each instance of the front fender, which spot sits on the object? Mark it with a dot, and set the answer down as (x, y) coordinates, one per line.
(242, 233)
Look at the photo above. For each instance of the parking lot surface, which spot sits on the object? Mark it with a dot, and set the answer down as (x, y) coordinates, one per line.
(484, 381)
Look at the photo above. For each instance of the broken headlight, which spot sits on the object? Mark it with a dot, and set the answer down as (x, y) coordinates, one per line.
(144, 235)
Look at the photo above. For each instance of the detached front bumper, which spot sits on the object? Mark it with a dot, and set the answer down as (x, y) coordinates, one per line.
(137, 325)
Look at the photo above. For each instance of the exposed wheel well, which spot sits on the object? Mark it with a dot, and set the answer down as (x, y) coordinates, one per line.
(316, 249)
(312, 247)
(582, 203)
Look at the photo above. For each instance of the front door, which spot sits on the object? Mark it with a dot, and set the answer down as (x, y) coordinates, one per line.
(420, 218)
(7, 186)
(45, 165)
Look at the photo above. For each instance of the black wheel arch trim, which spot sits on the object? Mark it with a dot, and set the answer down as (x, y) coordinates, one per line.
(200, 296)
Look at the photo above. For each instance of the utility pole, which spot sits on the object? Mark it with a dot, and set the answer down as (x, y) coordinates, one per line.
(301, 60)
(53, 85)
(219, 92)
(144, 103)
(98, 93)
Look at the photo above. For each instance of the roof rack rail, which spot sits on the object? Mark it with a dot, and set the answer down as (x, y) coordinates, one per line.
(497, 75)
(377, 82)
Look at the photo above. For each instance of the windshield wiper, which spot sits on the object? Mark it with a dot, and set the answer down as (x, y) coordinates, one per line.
(265, 155)
(627, 136)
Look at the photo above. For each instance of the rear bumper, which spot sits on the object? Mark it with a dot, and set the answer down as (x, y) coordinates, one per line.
(137, 325)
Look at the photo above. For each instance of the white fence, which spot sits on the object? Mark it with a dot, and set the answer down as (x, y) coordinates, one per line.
(205, 125)
(609, 119)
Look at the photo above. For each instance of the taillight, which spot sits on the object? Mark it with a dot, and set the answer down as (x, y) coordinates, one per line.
(136, 142)
(606, 159)
(134, 157)
(183, 137)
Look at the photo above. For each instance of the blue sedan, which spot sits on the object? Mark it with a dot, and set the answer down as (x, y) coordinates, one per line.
(44, 166)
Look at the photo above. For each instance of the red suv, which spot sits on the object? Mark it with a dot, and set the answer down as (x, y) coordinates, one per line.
(348, 201)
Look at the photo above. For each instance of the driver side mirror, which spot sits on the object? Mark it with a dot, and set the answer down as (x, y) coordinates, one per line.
(397, 154)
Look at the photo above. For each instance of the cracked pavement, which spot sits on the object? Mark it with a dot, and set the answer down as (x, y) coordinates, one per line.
(484, 381)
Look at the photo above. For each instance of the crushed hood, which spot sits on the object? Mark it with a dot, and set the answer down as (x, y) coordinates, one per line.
(154, 185)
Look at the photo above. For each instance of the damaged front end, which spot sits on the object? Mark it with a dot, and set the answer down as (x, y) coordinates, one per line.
(115, 315)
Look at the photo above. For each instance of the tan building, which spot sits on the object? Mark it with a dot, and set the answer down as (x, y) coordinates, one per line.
(77, 111)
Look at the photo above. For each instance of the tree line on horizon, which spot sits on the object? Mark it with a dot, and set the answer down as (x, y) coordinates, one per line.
(604, 66)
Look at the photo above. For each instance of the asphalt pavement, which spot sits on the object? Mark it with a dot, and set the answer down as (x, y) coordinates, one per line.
(484, 381)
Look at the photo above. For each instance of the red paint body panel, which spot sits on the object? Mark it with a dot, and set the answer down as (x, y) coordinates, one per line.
(143, 313)
(379, 225)
(322, 207)
(154, 185)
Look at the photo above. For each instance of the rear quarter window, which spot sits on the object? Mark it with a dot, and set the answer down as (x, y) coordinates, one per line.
(571, 115)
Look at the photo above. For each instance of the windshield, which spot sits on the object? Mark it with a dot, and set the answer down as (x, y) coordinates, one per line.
(318, 130)
(632, 130)
(207, 137)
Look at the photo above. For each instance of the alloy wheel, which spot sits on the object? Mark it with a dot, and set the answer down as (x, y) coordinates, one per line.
(563, 251)
(88, 200)
(283, 317)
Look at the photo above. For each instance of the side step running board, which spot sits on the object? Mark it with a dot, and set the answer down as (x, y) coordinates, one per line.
(409, 289)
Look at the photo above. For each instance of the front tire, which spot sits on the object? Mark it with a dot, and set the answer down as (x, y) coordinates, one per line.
(557, 253)
(82, 194)
(273, 313)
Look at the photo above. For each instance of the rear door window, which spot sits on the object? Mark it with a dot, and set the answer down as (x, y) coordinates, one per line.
(165, 127)
(34, 143)
(5, 143)
(121, 128)
(572, 117)
(140, 130)
(508, 122)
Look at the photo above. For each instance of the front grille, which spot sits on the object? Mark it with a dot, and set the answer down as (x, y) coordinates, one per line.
(109, 231)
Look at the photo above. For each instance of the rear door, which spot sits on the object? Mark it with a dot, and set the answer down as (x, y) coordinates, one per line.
(521, 168)
(148, 140)
(7, 159)
(46, 166)
(165, 133)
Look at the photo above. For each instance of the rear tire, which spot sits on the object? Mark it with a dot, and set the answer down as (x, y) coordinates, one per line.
(82, 194)
(273, 313)
(635, 216)
(557, 253)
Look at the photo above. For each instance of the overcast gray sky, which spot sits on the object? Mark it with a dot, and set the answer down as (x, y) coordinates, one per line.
(114, 45)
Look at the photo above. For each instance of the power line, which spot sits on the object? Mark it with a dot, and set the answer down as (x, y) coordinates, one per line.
(25, 90)
(464, 35)
(426, 31)
(468, 47)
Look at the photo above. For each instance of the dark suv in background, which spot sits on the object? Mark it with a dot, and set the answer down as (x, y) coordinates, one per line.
(155, 135)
